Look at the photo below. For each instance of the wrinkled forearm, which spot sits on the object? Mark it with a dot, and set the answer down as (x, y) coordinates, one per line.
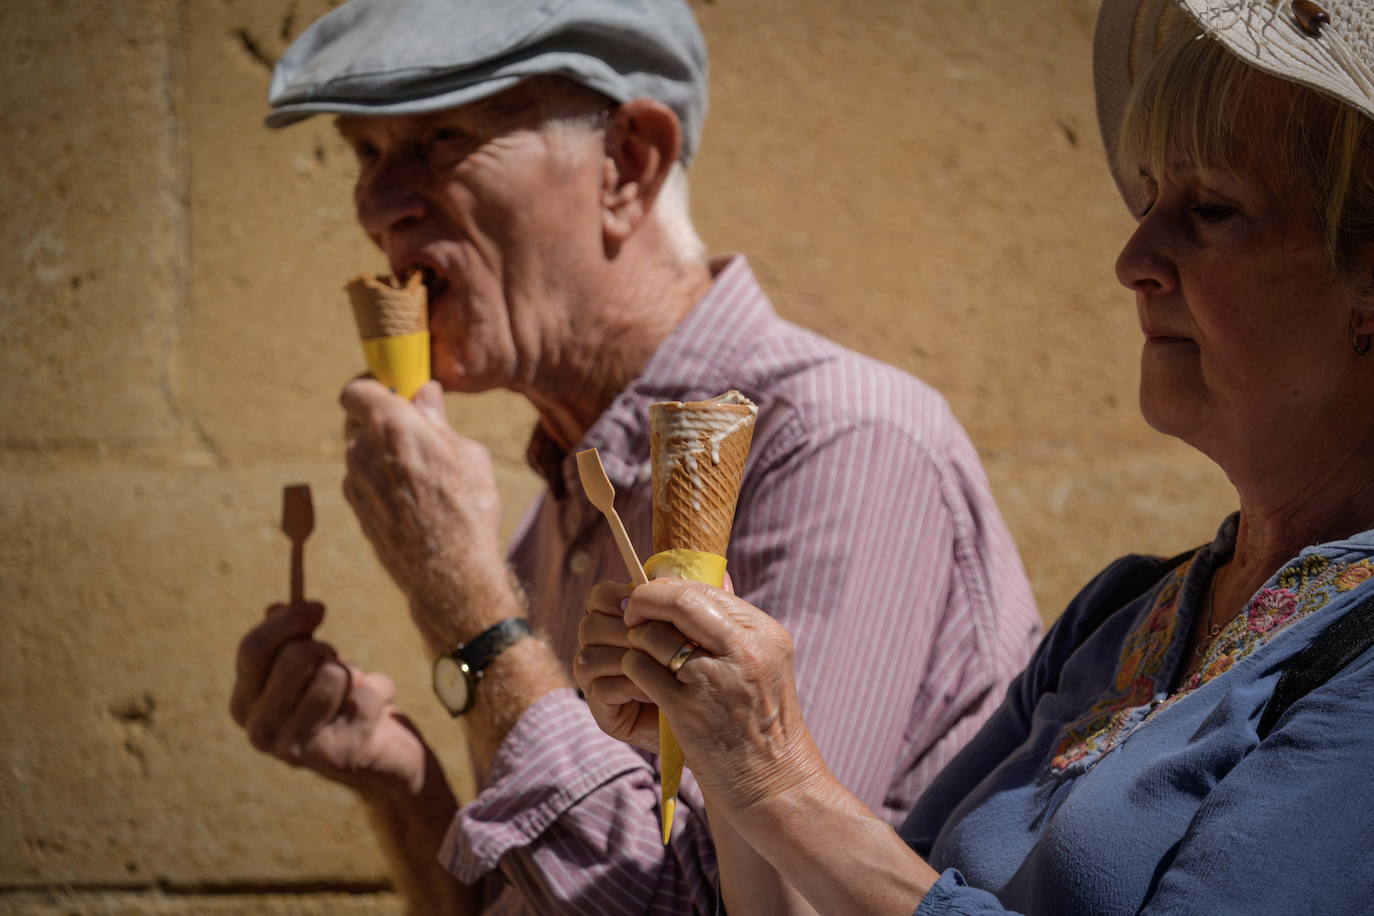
(871, 872)
(456, 607)
(456, 599)
(512, 683)
(750, 885)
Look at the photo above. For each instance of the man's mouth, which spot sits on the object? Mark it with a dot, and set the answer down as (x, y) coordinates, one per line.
(434, 280)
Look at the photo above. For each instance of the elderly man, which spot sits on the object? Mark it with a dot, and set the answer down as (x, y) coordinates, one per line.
(529, 159)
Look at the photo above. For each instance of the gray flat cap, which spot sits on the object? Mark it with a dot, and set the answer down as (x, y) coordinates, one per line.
(388, 57)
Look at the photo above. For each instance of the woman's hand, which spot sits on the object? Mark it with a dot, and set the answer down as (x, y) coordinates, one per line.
(733, 705)
(620, 708)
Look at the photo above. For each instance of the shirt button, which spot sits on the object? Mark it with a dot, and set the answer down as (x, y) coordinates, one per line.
(580, 563)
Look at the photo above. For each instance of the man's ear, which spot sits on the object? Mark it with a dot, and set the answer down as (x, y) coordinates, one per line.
(643, 139)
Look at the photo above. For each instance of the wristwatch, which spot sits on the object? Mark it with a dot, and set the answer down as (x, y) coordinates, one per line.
(457, 673)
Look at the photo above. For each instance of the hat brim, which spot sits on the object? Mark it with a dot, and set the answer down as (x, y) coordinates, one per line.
(294, 112)
(1128, 34)
(1336, 62)
(286, 113)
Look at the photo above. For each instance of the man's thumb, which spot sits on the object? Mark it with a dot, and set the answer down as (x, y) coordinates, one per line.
(430, 400)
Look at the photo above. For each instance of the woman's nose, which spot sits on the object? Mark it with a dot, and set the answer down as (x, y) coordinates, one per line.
(1143, 265)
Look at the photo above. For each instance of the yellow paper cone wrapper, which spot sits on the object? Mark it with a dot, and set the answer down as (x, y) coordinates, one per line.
(400, 363)
(670, 761)
(687, 564)
(700, 567)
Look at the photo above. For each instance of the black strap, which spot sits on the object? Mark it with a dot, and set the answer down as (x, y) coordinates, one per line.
(482, 650)
(1338, 645)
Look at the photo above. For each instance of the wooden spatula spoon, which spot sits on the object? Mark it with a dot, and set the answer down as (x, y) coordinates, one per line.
(602, 495)
(297, 521)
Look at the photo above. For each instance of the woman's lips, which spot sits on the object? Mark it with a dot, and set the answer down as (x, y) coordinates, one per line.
(1156, 333)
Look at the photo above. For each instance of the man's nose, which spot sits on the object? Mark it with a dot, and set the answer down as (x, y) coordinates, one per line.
(391, 194)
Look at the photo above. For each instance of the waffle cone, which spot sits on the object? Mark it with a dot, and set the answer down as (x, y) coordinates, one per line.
(383, 308)
(698, 451)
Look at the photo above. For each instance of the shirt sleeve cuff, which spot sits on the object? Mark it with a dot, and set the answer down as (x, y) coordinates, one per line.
(553, 757)
(952, 896)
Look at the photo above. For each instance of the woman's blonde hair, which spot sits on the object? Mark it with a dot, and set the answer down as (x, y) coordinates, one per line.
(1199, 102)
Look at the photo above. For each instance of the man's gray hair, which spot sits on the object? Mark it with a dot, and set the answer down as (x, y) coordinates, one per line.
(672, 212)
(568, 104)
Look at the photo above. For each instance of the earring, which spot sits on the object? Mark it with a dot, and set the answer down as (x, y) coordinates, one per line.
(1360, 342)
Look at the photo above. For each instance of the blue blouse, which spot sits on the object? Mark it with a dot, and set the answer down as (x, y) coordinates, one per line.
(1116, 790)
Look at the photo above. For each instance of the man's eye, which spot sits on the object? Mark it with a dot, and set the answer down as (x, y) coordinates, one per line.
(450, 135)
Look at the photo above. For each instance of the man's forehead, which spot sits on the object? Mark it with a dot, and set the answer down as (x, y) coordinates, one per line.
(517, 104)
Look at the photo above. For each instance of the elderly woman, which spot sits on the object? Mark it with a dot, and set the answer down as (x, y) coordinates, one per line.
(1173, 746)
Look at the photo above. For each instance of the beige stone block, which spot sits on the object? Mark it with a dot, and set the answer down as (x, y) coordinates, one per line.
(272, 215)
(158, 903)
(126, 593)
(1073, 511)
(924, 182)
(92, 249)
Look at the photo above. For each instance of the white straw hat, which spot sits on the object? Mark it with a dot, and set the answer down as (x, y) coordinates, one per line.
(1326, 45)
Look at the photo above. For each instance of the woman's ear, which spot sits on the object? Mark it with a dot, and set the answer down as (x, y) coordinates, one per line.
(1362, 319)
(1362, 306)
(643, 139)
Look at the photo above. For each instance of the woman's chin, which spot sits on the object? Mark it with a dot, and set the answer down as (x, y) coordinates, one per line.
(1169, 414)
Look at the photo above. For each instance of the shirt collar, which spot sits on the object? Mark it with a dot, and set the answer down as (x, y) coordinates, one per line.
(701, 358)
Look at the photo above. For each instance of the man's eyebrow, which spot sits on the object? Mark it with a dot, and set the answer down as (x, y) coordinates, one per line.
(347, 127)
(507, 107)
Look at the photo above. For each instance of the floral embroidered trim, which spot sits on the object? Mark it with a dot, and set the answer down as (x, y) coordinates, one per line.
(1306, 585)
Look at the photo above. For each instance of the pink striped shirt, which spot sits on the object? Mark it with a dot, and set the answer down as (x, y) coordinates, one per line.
(865, 524)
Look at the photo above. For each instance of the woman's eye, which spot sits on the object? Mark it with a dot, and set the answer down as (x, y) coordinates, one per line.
(1214, 213)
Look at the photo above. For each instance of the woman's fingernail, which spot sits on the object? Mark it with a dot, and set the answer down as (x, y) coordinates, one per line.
(625, 604)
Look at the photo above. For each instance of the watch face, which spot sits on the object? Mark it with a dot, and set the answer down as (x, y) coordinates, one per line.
(451, 684)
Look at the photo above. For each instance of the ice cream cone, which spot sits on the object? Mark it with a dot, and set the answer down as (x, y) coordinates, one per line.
(698, 450)
(393, 321)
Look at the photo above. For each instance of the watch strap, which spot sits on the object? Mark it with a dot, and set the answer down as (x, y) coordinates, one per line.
(481, 650)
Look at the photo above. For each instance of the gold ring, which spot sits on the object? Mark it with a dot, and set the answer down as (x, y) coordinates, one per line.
(681, 655)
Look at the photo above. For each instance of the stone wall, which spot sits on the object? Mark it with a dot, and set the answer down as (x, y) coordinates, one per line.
(920, 179)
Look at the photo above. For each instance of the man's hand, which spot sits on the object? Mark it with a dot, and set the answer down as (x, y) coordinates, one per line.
(298, 702)
(426, 498)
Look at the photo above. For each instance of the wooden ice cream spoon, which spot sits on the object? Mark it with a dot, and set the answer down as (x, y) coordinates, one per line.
(602, 495)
